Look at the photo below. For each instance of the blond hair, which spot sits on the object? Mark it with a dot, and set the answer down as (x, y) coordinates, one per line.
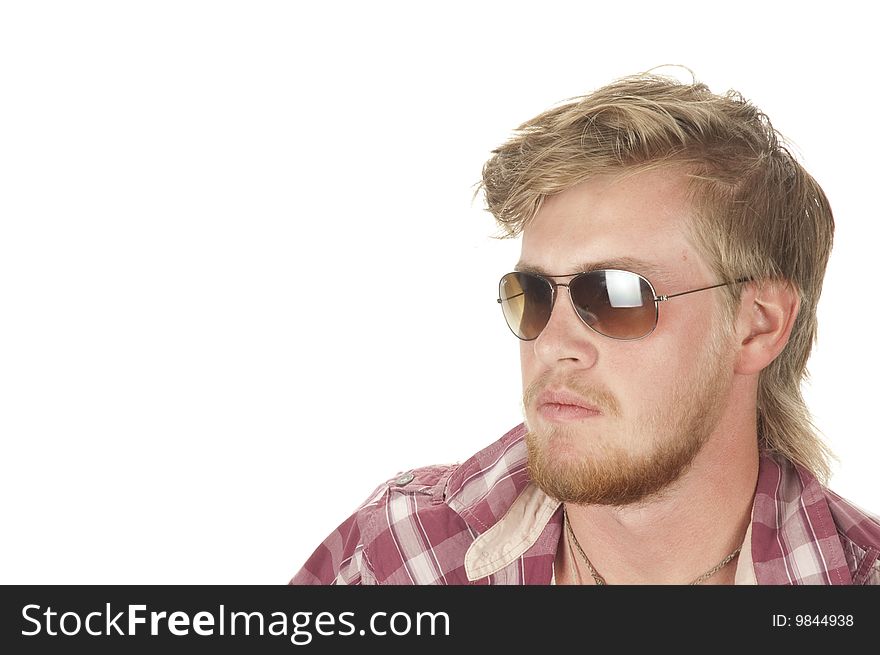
(758, 213)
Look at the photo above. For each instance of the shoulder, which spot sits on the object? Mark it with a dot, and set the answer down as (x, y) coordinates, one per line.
(345, 556)
(859, 533)
(416, 525)
(805, 533)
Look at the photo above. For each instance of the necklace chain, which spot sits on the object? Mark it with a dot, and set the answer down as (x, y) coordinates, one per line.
(599, 580)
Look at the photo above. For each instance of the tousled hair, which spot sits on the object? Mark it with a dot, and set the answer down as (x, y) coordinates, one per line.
(757, 212)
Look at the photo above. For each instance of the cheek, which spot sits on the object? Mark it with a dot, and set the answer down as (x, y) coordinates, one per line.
(650, 378)
(528, 363)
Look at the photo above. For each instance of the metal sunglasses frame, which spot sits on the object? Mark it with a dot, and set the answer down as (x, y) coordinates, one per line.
(555, 285)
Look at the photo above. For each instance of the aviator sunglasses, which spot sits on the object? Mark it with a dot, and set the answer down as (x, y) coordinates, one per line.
(614, 303)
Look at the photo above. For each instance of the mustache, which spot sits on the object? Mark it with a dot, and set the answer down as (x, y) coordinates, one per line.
(594, 394)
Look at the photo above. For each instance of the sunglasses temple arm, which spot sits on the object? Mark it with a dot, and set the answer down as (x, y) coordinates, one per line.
(714, 286)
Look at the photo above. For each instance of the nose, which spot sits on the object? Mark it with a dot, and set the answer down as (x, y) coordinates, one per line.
(566, 339)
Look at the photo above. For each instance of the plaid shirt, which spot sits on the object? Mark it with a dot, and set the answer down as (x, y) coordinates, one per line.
(485, 522)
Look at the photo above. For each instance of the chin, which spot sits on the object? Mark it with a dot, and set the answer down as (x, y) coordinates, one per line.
(561, 451)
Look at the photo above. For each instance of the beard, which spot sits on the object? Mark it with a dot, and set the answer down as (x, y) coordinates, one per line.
(609, 474)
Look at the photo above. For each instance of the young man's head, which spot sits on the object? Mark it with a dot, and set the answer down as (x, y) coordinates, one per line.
(653, 188)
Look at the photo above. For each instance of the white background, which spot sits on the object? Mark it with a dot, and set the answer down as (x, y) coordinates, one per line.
(190, 192)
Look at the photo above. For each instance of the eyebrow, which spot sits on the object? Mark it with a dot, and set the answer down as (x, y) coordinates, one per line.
(640, 266)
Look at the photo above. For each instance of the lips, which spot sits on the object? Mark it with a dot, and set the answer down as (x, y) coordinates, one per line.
(564, 406)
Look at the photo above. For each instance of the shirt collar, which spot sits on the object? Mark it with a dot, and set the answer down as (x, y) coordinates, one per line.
(516, 532)
(519, 529)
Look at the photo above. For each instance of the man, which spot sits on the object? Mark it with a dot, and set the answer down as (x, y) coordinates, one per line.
(673, 253)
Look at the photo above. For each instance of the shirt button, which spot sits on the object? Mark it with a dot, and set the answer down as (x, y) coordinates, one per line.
(404, 479)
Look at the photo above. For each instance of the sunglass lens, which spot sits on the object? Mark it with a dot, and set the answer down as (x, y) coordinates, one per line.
(526, 301)
(618, 304)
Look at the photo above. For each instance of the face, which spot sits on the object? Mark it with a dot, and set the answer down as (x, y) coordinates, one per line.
(615, 422)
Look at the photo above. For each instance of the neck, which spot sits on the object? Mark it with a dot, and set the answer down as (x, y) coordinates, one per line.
(676, 537)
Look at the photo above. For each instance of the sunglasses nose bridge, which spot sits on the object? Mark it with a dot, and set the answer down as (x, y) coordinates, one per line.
(567, 285)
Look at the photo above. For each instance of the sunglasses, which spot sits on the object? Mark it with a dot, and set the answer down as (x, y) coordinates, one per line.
(614, 303)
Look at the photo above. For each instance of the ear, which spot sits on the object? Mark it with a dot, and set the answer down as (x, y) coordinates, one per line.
(764, 322)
